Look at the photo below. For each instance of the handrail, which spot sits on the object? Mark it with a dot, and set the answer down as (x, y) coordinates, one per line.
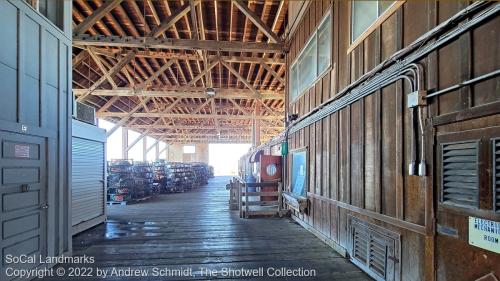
(262, 184)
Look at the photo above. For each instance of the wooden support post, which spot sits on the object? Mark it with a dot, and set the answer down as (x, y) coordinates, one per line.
(144, 149)
(257, 125)
(124, 143)
(246, 201)
(157, 151)
(280, 198)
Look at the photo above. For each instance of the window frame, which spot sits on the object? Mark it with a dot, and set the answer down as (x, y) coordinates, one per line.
(374, 25)
(295, 62)
(306, 179)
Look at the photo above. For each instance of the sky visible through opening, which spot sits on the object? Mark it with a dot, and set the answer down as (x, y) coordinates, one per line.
(224, 157)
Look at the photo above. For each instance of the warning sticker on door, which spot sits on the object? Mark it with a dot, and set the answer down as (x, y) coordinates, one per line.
(484, 234)
(22, 151)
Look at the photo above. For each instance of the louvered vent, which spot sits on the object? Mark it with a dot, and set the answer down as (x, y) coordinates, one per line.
(374, 250)
(360, 246)
(496, 173)
(460, 174)
(378, 255)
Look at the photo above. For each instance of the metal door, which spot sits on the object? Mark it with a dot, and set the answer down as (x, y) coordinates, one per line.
(88, 191)
(23, 199)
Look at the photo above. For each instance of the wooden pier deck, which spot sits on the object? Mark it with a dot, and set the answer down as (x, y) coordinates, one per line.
(196, 232)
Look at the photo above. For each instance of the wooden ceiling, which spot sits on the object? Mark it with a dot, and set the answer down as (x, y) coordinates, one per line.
(147, 65)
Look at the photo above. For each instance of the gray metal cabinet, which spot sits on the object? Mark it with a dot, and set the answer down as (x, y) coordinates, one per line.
(35, 130)
(88, 188)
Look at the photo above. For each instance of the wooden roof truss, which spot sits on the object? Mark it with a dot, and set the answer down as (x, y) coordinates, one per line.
(147, 65)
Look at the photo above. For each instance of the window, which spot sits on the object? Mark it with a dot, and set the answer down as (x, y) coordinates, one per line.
(294, 91)
(324, 45)
(313, 61)
(307, 66)
(189, 149)
(364, 14)
(299, 172)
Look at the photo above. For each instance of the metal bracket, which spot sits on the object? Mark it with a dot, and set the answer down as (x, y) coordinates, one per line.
(25, 187)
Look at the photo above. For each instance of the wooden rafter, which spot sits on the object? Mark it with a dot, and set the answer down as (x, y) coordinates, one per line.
(156, 74)
(184, 93)
(256, 20)
(161, 31)
(124, 119)
(171, 20)
(111, 73)
(243, 80)
(98, 14)
(185, 115)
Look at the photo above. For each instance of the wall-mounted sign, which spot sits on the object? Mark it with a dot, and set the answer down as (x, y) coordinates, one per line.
(21, 151)
(484, 234)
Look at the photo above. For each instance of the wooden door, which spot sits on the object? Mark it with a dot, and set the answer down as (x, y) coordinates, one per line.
(23, 199)
(466, 192)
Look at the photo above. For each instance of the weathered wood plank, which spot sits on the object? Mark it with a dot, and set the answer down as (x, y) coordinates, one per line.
(197, 230)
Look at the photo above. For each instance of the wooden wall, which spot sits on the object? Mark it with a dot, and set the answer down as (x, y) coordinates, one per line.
(358, 156)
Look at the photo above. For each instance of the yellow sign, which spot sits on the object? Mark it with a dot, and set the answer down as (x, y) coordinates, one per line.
(484, 234)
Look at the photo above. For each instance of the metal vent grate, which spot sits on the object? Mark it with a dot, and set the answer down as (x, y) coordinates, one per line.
(85, 113)
(496, 174)
(360, 246)
(460, 174)
(377, 255)
(374, 250)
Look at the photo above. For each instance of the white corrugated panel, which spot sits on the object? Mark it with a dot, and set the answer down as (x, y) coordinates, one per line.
(88, 180)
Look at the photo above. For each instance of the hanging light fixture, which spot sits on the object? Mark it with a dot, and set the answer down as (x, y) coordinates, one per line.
(210, 92)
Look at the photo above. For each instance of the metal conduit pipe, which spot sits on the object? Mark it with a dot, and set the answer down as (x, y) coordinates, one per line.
(465, 83)
(413, 148)
(393, 67)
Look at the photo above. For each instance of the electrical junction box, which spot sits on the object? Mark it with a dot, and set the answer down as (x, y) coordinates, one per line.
(416, 98)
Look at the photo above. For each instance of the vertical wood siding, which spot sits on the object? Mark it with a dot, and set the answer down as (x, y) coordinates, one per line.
(358, 156)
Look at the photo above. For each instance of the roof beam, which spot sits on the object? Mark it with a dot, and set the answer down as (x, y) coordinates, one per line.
(188, 93)
(156, 74)
(108, 104)
(199, 76)
(178, 44)
(237, 74)
(239, 107)
(114, 53)
(78, 58)
(116, 68)
(124, 119)
(199, 127)
(183, 116)
(97, 60)
(242, 6)
(89, 21)
(273, 73)
(141, 136)
(170, 20)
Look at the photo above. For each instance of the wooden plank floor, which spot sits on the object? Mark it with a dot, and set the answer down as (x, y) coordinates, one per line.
(195, 230)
